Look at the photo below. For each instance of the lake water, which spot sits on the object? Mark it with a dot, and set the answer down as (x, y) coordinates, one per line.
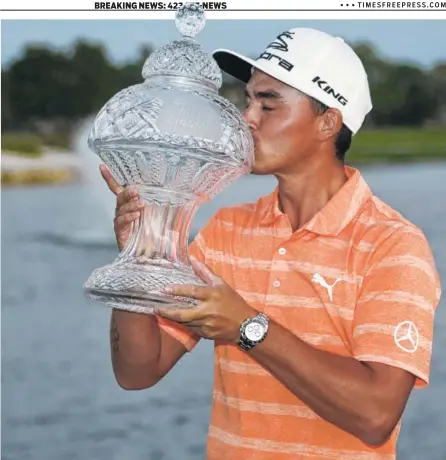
(59, 397)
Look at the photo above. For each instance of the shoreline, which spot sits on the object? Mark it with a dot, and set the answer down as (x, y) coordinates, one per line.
(52, 167)
(67, 168)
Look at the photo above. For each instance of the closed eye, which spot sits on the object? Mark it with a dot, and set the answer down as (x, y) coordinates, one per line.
(264, 96)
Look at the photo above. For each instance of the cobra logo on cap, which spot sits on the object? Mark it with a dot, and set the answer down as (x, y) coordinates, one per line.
(279, 44)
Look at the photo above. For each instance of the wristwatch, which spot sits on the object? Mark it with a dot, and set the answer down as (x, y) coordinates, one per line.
(253, 331)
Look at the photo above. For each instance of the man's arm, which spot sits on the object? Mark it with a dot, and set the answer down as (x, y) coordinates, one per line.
(142, 353)
(364, 399)
(144, 348)
(365, 394)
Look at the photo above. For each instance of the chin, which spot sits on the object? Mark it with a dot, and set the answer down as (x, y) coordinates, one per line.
(259, 165)
(261, 170)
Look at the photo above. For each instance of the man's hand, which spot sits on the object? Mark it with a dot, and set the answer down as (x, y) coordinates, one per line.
(128, 207)
(220, 311)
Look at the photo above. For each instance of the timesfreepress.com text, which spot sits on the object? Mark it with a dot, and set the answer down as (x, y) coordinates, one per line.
(402, 5)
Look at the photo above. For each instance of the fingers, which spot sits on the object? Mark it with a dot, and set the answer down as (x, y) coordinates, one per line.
(126, 195)
(191, 317)
(188, 290)
(110, 180)
(205, 273)
(126, 219)
(134, 206)
(128, 212)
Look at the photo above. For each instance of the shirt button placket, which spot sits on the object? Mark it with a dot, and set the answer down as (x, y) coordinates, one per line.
(276, 282)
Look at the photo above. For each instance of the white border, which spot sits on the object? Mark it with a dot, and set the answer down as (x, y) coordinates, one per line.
(311, 5)
(306, 9)
(229, 15)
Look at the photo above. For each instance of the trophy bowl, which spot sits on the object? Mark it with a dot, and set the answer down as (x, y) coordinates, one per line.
(180, 143)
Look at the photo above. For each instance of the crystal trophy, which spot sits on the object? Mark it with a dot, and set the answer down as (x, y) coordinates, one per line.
(180, 143)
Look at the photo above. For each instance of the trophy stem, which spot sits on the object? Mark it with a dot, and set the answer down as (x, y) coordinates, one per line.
(155, 256)
(161, 235)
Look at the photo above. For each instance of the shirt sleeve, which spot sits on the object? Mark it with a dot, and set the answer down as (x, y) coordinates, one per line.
(183, 334)
(394, 316)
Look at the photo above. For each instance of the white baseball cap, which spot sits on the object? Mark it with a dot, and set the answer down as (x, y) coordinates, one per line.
(314, 62)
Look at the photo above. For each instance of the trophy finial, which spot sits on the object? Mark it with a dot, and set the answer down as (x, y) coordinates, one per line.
(190, 19)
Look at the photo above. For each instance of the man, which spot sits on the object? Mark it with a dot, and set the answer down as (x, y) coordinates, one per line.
(320, 297)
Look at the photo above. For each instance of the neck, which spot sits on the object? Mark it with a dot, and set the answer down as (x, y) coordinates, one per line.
(302, 194)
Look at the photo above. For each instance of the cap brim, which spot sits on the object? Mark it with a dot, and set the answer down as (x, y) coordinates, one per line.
(240, 67)
(234, 64)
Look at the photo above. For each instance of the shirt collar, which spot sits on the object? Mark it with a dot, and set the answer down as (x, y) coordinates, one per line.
(334, 216)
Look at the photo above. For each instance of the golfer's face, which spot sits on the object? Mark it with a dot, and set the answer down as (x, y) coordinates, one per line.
(282, 123)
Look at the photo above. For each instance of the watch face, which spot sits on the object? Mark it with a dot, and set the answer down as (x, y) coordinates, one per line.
(254, 331)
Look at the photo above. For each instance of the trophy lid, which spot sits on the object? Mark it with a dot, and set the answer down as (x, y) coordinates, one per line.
(185, 58)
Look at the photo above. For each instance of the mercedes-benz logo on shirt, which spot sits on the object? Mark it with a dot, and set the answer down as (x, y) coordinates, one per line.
(407, 337)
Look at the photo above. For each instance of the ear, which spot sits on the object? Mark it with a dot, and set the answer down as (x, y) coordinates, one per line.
(330, 124)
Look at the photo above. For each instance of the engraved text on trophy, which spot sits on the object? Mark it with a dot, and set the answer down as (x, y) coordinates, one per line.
(188, 115)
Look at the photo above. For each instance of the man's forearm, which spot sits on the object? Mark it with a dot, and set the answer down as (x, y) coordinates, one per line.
(339, 389)
(135, 343)
(364, 399)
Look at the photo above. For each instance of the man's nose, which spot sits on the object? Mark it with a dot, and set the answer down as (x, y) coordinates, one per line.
(250, 118)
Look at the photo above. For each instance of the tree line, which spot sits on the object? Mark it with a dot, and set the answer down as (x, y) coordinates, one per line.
(48, 87)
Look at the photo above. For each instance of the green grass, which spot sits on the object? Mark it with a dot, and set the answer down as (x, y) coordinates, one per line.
(22, 144)
(59, 140)
(32, 145)
(398, 144)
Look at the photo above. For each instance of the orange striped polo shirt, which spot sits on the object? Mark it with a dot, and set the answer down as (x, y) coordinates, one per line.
(357, 280)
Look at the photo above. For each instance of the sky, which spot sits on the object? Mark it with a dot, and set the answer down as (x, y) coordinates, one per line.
(418, 41)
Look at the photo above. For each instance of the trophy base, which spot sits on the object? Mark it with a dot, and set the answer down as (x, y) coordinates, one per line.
(138, 287)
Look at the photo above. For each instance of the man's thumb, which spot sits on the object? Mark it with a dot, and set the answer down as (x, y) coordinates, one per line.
(205, 273)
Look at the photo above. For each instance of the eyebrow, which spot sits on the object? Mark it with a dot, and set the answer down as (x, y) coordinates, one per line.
(265, 95)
